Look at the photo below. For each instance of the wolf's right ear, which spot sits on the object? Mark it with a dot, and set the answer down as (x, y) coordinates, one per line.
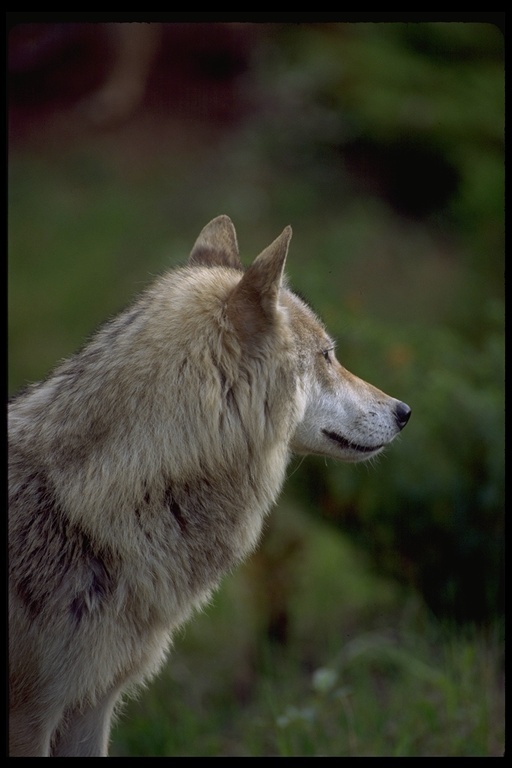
(253, 305)
(216, 245)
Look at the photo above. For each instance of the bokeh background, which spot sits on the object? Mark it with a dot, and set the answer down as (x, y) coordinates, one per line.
(370, 621)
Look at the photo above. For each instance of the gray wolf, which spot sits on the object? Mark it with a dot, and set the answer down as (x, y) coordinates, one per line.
(142, 470)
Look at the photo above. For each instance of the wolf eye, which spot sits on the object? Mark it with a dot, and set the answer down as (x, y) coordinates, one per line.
(327, 354)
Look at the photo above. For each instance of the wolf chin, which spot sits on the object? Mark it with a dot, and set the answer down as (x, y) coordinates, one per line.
(142, 470)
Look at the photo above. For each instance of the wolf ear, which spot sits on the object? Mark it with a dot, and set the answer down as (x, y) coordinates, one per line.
(252, 306)
(216, 245)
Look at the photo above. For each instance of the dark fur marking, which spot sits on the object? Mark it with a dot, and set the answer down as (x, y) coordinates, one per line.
(95, 594)
(48, 544)
(122, 322)
(175, 510)
(266, 410)
(231, 401)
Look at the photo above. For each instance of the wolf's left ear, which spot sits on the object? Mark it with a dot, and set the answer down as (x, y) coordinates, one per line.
(252, 307)
(216, 245)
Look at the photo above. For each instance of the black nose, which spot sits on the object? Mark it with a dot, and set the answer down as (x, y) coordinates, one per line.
(402, 414)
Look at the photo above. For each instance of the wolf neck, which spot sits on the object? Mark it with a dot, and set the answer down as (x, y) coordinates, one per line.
(173, 499)
(197, 473)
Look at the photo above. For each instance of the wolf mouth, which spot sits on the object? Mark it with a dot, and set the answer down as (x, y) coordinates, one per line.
(344, 443)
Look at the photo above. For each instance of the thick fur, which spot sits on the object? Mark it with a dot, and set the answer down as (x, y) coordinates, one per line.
(142, 470)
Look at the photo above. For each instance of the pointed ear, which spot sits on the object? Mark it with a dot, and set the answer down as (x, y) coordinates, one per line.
(216, 245)
(252, 307)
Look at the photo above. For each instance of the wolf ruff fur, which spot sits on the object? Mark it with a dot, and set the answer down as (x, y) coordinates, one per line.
(142, 469)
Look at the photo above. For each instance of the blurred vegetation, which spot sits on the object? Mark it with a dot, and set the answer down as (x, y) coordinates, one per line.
(434, 516)
(382, 145)
(364, 673)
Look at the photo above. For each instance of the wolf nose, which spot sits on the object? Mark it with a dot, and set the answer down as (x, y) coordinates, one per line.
(402, 414)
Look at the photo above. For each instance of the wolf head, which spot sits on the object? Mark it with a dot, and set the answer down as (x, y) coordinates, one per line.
(338, 414)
